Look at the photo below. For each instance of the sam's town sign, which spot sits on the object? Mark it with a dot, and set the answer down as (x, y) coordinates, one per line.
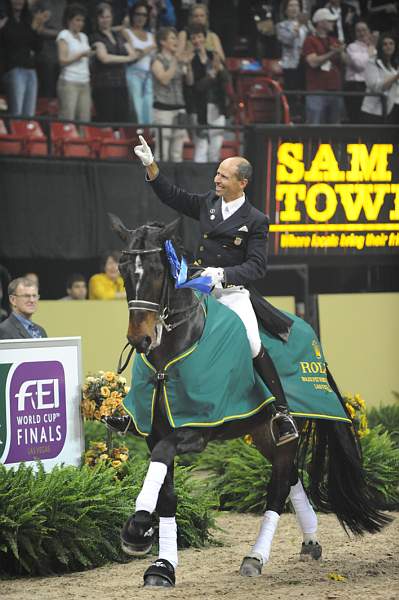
(327, 207)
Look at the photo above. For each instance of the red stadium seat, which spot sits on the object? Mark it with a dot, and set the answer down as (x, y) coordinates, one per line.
(47, 107)
(109, 144)
(9, 142)
(67, 141)
(35, 142)
(261, 102)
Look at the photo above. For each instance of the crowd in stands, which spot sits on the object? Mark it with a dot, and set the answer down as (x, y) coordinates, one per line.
(163, 62)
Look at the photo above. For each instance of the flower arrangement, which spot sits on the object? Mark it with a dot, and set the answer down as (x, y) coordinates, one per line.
(356, 407)
(102, 394)
(98, 453)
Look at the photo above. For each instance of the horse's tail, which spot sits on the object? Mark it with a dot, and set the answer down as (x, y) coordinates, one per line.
(331, 455)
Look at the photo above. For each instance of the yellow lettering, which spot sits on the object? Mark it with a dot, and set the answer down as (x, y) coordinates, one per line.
(369, 167)
(305, 367)
(290, 156)
(290, 194)
(394, 214)
(324, 166)
(363, 200)
(330, 202)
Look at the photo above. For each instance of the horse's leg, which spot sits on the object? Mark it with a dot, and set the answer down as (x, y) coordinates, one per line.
(277, 493)
(306, 518)
(162, 572)
(137, 533)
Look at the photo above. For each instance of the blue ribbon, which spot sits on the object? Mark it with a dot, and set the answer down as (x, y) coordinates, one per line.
(179, 272)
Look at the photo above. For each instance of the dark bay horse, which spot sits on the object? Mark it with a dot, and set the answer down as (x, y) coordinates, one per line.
(163, 323)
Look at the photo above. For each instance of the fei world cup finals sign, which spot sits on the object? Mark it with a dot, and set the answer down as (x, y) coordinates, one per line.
(40, 383)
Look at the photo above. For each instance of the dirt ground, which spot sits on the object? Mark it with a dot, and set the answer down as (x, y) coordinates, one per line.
(370, 566)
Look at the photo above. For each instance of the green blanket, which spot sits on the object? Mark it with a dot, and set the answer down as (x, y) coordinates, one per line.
(214, 381)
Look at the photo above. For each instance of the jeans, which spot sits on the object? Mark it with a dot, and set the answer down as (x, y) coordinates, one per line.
(21, 91)
(323, 109)
(139, 85)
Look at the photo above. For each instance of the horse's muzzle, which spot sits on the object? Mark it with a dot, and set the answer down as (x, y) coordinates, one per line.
(143, 345)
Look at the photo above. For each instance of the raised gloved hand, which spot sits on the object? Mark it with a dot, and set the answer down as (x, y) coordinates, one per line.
(215, 273)
(143, 151)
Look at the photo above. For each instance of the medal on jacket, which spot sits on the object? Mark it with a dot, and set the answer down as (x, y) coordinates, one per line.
(212, 212)
(237, 241)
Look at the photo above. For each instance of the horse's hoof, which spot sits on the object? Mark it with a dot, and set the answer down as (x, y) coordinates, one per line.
(251, 566)
(137, 535)
(310, 551)
(160, 574)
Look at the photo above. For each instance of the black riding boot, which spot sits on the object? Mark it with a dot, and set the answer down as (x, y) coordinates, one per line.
(287, 430)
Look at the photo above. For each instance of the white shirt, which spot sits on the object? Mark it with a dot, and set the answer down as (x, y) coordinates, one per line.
(229, 208)
(77, 71)
(145, 62)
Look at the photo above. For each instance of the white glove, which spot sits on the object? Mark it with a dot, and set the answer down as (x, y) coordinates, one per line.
(144, 152)
(215, 273)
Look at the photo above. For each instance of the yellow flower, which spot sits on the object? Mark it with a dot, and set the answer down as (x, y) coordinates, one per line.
(101, 446)
(116, 463)
(109, 376)
(105, 391)
(103, 456)
(351, 410)
(122, 379)
(126, 389)
(248, 439)
(336, 577)
(123, 457)
(116, 395)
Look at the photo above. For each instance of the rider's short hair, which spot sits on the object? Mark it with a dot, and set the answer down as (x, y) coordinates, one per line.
(244, 170)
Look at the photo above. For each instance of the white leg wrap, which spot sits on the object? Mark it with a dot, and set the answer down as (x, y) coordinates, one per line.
(168, 540)
(264, 540)
(148, 497)
(305, 514)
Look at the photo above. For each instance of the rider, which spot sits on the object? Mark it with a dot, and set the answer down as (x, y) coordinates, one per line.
(233, 249)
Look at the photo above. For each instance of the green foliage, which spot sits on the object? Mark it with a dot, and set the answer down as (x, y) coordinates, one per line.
(381, 463)
(65, 520)
(388, 417)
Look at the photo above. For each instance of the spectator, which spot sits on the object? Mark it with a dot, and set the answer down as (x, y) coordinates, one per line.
(324, 55)
(110, 93)
(292, 33)
(76, 287)
(209, 98)
(382, 76)
(24, 296)
(358, 55)
(47, 64)
(73, 88)
(198, 15)
(138, 74)
(19, 43)
(263, 39)
(169, 107)
(346, 15)
(107, 285)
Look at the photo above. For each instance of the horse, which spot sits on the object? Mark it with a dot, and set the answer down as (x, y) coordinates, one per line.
(165, 322)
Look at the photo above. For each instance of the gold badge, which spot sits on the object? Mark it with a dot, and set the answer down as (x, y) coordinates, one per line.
(238, 241)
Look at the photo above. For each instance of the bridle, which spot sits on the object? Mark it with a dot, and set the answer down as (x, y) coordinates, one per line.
(161, 308)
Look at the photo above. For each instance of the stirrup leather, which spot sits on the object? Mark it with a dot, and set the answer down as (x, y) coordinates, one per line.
(288, 437)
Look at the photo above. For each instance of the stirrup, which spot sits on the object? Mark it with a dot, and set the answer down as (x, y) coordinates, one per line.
(121, 432)
(288, 437)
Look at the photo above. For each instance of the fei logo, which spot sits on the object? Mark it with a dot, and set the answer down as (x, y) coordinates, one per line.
(37, 411)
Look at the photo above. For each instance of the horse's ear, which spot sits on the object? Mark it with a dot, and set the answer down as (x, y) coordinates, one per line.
(172, 230)
(119, 228)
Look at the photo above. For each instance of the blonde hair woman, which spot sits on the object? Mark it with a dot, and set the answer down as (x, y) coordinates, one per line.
(199, 15)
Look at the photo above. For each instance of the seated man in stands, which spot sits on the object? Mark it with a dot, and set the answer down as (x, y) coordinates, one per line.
(76, 287)
(24, 296)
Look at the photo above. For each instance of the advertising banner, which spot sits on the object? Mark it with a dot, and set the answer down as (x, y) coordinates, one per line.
(329, 193)
(40, 389)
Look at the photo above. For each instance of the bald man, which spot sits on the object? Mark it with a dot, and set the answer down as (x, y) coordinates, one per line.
(233, 252)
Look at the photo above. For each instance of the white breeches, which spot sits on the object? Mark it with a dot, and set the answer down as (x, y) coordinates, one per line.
(237, 299)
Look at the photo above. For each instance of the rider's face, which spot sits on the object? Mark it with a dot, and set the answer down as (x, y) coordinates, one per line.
(226, 181)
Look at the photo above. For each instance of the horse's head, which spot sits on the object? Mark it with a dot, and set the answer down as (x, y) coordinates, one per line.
(143, 266)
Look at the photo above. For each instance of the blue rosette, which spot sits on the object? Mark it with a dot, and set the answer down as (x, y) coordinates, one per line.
(179, 272)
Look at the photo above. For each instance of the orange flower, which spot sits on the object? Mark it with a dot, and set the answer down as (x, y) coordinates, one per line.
(105, 391)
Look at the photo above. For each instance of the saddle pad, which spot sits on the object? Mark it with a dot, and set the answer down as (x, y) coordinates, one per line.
(214, 381)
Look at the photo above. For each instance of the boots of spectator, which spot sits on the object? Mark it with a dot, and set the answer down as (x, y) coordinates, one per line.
(287, 430)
